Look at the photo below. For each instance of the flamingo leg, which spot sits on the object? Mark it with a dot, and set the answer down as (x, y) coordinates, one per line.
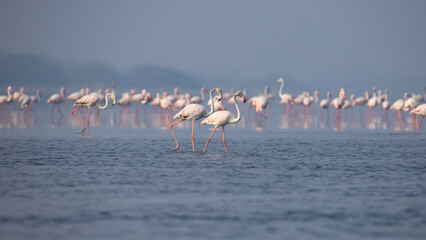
(53, 108)
(414, 121)
(88, 118)
(223, 135)
(192, 137)
(171, 128)
(420, 123)
(72, 112)
(208, 140)
(59, 110)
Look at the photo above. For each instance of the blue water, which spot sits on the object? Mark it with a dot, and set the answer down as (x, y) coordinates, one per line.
(297, 179)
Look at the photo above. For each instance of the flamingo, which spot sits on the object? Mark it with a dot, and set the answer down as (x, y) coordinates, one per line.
(6, 99)
(286, 98)
(35, 99)
(138, 98)
(325, 103)
(421, 111)
(337, 103)
(222, 118)
(198, 99)
(194, 112)
(183, 102)
(74, 96)
(89, 101)
(261, 102)
(17, 95)
(361, 101)
(411, 103)
(57, 99)
(372, 102)
(398, 105)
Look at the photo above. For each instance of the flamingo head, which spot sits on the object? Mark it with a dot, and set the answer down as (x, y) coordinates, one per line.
(219, 92)
(9, 89)
(240, 94)
(22, 90)
(204, 89)
(112, 85)
(374, 89)
(280, 80)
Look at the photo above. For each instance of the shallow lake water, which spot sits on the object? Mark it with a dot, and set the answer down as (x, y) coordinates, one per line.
(283, 178)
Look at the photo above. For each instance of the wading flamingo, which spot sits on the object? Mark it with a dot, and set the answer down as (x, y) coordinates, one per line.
(222, 118)
(398, 106)
(325, 103)
(6, 99)
(421, 111)
(89, 101)
(194, 112)
(57, 99)
(286, 98)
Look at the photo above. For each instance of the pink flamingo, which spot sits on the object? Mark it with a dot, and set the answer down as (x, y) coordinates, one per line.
(194, 112)
(421, 111)
(57, 99)
(89, 101)
(222, 118)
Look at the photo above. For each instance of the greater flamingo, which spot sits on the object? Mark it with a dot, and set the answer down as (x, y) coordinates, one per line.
(398, 105)
(6, 99)
(194, 112)
(372, 103)
(89, 101)
(325, 103)
(286, 98)
(337, 103)
(421, 111)
(57, 99)
(222, 118)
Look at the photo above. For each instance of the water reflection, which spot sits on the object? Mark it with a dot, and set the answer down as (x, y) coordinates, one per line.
(297, 117)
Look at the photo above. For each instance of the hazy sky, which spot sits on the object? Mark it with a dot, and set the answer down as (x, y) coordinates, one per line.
(225, 38)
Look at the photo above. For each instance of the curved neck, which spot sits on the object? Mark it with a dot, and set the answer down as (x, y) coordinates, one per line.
(265, 91)
(235, 120)
(9, 96)
(281, 89)
(106, 102)
(212, 102)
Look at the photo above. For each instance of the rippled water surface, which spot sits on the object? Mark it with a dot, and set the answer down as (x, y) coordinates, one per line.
(125, 182)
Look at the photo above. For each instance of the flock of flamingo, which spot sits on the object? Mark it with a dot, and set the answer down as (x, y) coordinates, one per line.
(191, 107)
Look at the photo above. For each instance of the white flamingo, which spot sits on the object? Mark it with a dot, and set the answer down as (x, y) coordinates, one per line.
(57, 99)
(325, 103)
(421, 111)
(89, 101)
(222, 118)
(6, 99)
(194, 112)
